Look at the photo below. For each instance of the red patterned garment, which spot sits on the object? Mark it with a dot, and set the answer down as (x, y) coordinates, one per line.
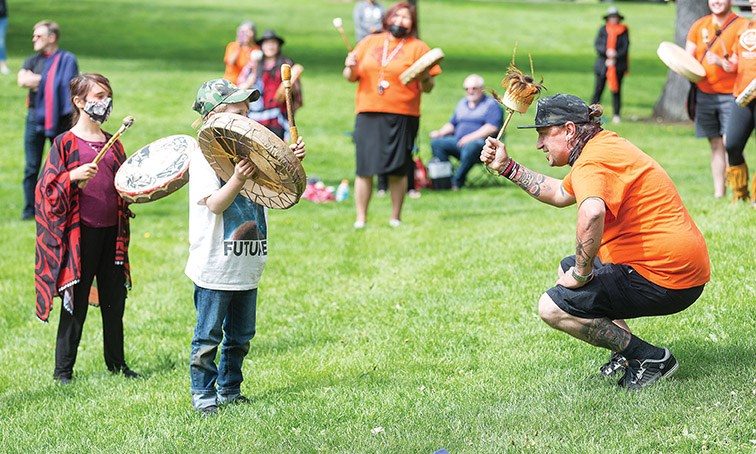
(56, 206)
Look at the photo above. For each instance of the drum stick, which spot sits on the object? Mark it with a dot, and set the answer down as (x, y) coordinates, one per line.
(510, 113)
(127, 122)
(337, 23)
(286, 82)
(296, 71)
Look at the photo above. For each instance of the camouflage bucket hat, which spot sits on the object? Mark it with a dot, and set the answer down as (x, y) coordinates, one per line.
(220, 91)
(559, 109)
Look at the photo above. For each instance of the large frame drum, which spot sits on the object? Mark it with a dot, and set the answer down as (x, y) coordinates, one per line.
(280, 179)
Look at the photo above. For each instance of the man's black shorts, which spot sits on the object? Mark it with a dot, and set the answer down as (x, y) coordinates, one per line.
(619, 292)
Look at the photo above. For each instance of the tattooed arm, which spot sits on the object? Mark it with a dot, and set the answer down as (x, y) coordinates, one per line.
(541, 187)
(590, 228)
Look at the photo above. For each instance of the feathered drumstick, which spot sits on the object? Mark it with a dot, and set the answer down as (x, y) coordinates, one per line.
(521, 91)
(127, 122)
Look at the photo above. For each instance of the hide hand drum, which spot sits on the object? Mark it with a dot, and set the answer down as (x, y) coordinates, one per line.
(747, 95)
(279, 180)
(680, 61)
(156, 170)
(427, 61)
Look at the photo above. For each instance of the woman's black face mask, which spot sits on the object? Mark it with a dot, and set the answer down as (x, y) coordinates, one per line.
(397, 31)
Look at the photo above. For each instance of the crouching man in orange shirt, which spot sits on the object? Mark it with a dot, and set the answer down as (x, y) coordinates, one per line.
(638, 253)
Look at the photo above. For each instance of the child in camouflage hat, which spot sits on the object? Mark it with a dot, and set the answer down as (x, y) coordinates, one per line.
(228, 237)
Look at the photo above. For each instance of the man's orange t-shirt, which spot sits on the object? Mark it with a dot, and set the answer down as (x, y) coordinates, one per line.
(703, 32)
(745, 49)
(232, 70)
(396, 98)
(646, 224)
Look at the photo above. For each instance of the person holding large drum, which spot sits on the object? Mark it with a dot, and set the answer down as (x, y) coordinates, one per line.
(743, 117)
(228, 235)
(709, 41)
(83, 230)
(387, 106)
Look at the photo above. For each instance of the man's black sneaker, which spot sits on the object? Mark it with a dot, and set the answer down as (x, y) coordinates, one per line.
(617, 363)
(643, 372)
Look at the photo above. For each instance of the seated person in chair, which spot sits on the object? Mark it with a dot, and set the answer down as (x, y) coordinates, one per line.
(476, 117)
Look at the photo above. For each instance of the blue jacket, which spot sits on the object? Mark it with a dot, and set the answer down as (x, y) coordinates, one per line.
(66, 68)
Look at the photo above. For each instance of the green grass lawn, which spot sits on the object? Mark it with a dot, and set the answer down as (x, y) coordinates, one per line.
(381, 340)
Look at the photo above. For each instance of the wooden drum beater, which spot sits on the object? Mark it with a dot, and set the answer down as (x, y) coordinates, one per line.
(338, 25)
(286, 82)
(127, 122)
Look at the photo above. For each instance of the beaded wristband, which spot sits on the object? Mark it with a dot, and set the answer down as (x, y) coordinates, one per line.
(507, 168)
(510, 170)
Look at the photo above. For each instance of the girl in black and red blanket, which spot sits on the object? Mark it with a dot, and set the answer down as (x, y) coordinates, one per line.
(83, 230)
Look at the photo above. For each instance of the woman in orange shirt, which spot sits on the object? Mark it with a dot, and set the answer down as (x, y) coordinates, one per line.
(388, 112)
(237, 52)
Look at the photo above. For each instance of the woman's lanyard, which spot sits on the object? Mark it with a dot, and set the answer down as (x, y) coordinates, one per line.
(385, 59)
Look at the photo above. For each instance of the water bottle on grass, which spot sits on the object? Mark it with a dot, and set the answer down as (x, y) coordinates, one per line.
(342, 192)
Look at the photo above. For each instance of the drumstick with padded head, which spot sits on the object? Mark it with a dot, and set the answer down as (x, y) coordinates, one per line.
(296, 71)
(286, 82)
(338, 24)
(127, 122)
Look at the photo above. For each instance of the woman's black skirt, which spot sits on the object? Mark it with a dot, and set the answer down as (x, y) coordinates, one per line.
(384, 143)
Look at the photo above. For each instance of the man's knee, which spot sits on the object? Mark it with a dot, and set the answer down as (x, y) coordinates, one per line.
(549, 311)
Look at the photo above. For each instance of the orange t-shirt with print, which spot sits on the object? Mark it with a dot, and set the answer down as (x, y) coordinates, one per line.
(745, 49)
(703, 31)
(646, 224)
(396, 98)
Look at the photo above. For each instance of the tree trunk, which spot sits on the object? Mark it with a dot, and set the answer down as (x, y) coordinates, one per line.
(671, 104)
